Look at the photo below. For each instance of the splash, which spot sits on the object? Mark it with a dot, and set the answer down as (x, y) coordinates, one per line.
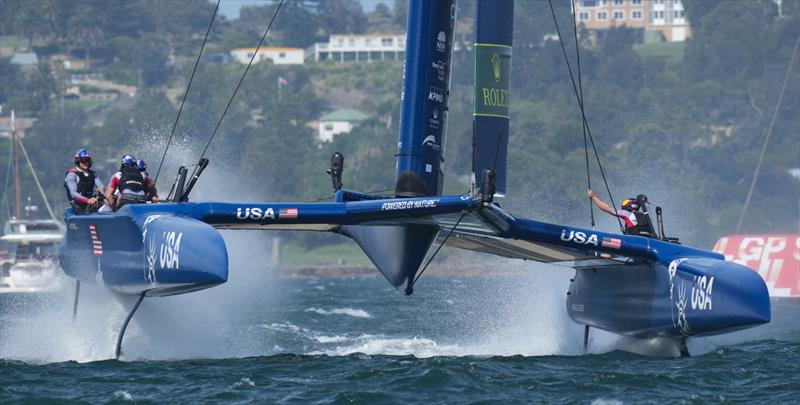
(206, 324)
(415, 346)
(357, 313)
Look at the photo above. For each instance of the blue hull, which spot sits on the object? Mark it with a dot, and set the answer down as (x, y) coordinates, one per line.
(684, 297)
(149, 251)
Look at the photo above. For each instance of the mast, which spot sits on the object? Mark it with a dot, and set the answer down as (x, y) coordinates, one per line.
(16, 165)
(493, 40)
(426, 88)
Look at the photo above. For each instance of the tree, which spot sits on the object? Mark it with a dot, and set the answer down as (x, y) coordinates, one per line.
(729, 42)
(86, 27)
(341, 17)
(25, 19)
(400, 12)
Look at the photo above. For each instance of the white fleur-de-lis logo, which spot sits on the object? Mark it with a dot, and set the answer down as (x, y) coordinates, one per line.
(152, 256)
(683, 323)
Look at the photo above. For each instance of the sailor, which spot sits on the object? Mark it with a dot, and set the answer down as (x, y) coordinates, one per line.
(84, 188)
(128, 185)
(636, 221)
(152, 193)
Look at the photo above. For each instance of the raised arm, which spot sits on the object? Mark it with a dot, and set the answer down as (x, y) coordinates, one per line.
(600, 204)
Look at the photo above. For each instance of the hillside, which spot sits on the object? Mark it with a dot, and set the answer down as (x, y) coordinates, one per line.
(682, 123)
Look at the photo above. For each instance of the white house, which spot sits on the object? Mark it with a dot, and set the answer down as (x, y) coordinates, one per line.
(339, 122)
(278, 56)
(358, 48)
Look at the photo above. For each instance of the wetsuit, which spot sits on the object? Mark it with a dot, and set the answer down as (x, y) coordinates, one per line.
(81, 186)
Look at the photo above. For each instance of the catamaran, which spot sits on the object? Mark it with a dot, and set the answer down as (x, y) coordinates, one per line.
(641, 286)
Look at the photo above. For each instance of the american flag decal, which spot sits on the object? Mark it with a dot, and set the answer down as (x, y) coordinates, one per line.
(287, 213)
(612, 243)
(97, 244)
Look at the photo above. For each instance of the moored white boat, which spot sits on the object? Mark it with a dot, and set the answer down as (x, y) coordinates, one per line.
(32, 246)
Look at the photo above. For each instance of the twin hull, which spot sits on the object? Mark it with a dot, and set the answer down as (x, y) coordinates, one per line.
(148, 252)
(675, 298)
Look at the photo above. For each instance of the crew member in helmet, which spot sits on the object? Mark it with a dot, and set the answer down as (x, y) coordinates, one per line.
(637, 222)
(128, 185)
(84, 188)
(152, 193)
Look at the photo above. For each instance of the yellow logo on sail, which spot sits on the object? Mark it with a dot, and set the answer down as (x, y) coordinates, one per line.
(496, 67)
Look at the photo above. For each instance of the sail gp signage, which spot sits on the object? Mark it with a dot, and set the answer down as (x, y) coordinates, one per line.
(580, 238)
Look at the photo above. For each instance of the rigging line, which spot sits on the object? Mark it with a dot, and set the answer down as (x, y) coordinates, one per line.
(438, 249)
(230, 101)
(767, 136)
(497, 150)
(580, 88)
(6, 184)
(583, 115)
(189, 86)
(36, 180)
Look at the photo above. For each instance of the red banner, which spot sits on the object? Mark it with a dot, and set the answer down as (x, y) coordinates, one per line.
(775, 257)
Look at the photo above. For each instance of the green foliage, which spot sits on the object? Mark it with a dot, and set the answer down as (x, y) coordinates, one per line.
(682, 122)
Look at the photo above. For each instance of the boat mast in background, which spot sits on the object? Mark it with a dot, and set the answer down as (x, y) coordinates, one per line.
(15, 159)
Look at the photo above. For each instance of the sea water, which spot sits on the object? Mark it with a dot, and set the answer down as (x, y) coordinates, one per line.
(266, 336)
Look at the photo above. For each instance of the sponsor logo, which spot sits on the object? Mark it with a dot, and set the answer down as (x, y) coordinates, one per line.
(73, 227)
(433, 123)
(578, 237)
(701, 292)
(441, 41)
(436, 94)
(495, 97)
(430, 140)
(496, 67)
(287, 213)
(406, 205)
(169, 252)
(255, 213)
(612, 243)
(440, 70)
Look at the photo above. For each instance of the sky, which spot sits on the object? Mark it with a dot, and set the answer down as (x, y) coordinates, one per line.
(230, 8)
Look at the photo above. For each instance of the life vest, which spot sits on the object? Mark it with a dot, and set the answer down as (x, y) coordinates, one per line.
(643, 227)
(86, 180)
(131, 181)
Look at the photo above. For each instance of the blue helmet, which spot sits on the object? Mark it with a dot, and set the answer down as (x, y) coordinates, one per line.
(128, 160)
(141, 165)
(83, 156)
